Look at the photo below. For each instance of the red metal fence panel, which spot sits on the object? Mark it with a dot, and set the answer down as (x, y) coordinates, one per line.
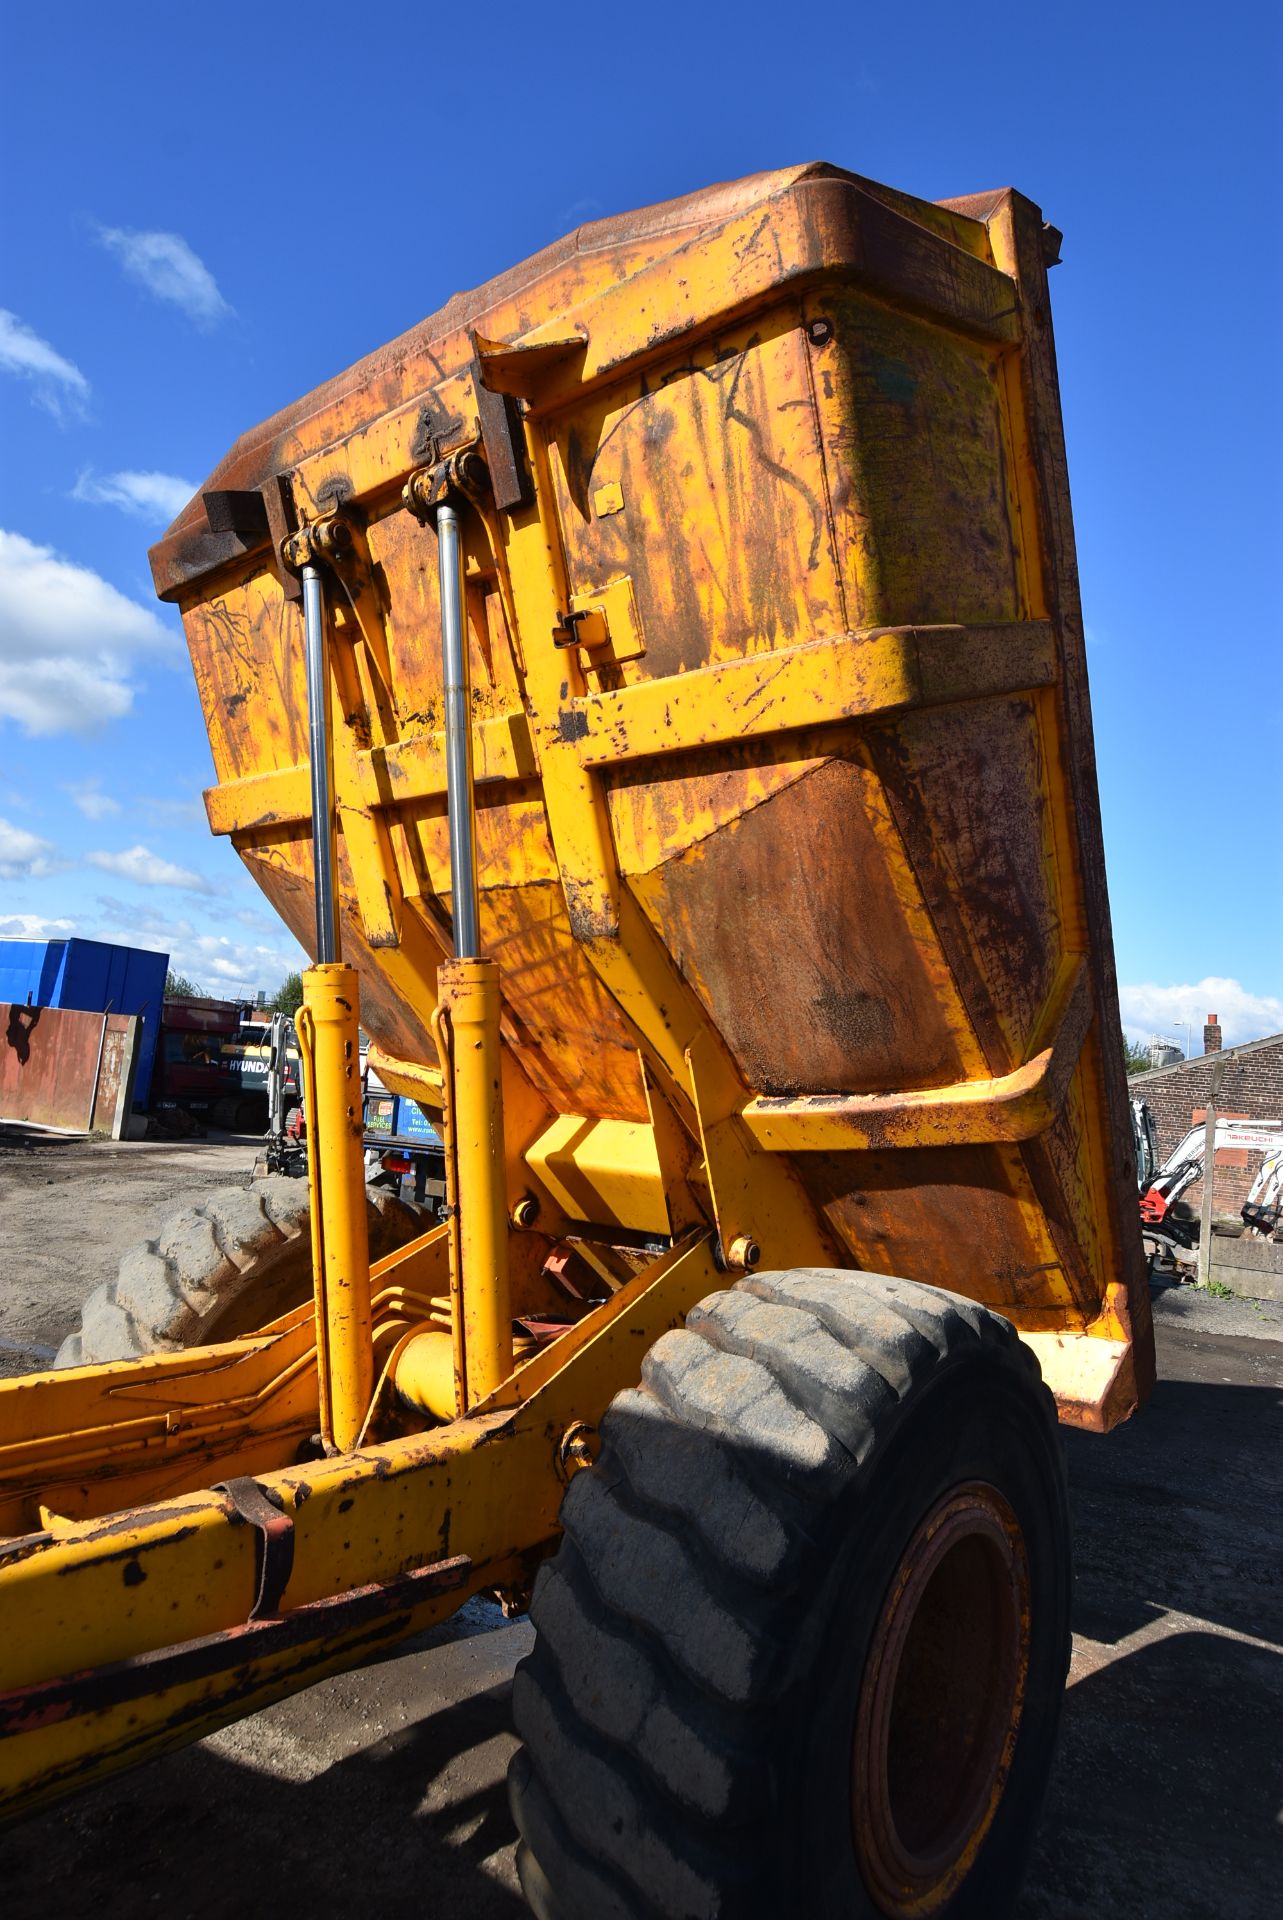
(49, 1058)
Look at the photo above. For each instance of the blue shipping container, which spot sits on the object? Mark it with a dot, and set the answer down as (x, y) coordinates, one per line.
(30, 971)
(94, 977)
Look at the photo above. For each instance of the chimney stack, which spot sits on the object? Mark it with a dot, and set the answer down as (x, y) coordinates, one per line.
(1212, 1035)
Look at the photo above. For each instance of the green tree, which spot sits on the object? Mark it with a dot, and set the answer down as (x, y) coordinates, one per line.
(1136, 1057)
(179, 987)
(288, 997)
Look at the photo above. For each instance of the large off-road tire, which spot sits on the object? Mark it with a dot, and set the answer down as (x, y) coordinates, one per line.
(803, 1646)
(232, 1263)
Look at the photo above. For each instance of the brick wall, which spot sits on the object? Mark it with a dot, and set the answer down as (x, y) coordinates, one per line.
(1251, 1088)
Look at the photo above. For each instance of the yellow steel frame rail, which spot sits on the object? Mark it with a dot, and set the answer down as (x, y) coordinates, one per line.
(88, 1441)
(153, 1608)
(866, 675)
(1013, 1106)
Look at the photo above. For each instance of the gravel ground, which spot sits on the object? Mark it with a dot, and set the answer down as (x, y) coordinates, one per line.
(1200, 1312)
(383, 1790)
(1168, 1787)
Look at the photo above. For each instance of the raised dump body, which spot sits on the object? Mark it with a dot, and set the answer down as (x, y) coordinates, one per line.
(786, 988)
(787, 813)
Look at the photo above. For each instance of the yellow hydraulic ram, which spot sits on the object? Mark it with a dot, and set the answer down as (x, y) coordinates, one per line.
(467, 1030)
(330, 1042)
(477, 1353)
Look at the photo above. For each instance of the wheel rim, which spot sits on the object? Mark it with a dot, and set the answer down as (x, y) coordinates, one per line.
(940, 1702)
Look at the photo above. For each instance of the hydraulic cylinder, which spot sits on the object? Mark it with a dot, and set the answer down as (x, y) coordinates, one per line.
(328, 1031)
(469, 991)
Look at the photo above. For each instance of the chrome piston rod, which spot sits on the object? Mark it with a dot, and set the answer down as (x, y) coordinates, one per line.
(460, 783)
(441, 1373)
(321, 749)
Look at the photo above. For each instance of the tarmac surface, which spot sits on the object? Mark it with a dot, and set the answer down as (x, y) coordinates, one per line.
(383, 1790)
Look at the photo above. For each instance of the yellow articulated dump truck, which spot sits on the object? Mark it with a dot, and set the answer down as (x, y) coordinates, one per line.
(653, 688)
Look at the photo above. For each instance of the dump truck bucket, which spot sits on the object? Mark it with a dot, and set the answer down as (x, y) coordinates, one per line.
(787, 808)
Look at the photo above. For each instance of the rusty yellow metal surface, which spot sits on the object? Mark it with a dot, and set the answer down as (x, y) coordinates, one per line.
(90, 1615)
(1016, 1106)
(90, 1441)
(867, 444)
(790, 877)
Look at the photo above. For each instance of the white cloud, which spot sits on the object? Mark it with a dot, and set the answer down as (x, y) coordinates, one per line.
(148, 869)
(167, 267)
(57, 382)
(232, 963)
(94, 804)
(68, 641)
(1170, 1011)
(32, 926)
(220, 965)
(154, 497)
(139, 919)
(23, 855)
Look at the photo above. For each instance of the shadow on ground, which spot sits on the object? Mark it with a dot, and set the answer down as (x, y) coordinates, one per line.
(1167, 1790)
(383, 1791)
(410, 1823)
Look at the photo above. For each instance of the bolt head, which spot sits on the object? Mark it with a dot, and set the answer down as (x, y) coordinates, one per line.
(577, 1449)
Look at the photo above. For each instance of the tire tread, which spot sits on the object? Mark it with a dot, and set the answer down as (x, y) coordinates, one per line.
(663, 1622)
(168, 1289)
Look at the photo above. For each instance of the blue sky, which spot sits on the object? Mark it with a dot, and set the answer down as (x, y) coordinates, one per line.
(208, 213)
